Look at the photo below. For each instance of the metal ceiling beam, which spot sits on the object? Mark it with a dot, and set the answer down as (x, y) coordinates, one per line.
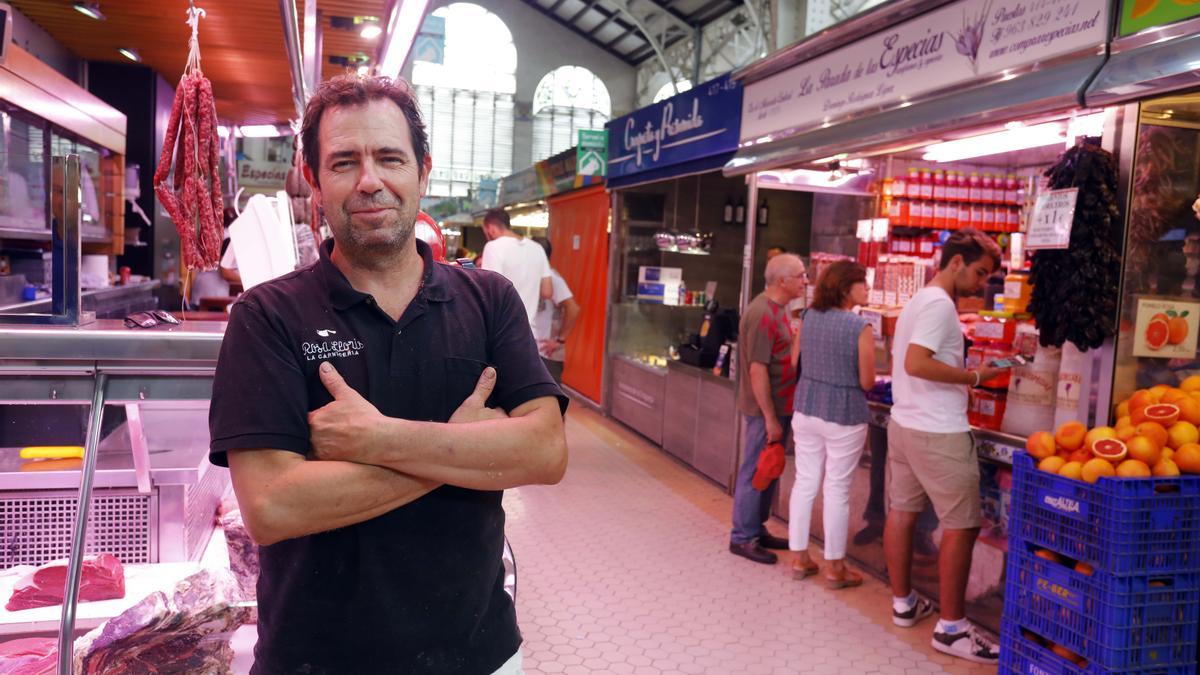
(586, 8)
(579, 31)
(626, 8)
(702, 15)
(558, 3)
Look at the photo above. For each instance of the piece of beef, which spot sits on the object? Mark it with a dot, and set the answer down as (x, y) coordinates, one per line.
(187, 631)
(29, 656)
(103, 578)
(243, 553)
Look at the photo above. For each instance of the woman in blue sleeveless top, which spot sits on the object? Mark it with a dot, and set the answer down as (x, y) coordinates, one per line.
(829, 420)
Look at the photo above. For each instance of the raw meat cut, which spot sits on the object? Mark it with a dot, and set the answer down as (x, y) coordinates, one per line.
(29, 656)
(187, 631)
(243, 553)
(103, 578)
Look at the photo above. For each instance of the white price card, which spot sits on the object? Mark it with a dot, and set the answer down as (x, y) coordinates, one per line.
(1050, 221)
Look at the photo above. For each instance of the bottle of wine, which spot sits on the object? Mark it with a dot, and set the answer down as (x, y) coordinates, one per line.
(764, 212)
(740, 212)
(727, 217)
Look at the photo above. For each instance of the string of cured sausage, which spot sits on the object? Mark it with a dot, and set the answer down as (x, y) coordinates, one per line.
(193, 198)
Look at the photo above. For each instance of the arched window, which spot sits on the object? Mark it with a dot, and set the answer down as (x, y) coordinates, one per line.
(567, 99)
(667, 91)
(467, 100)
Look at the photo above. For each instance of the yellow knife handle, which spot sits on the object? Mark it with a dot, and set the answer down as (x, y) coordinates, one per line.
(52, 452)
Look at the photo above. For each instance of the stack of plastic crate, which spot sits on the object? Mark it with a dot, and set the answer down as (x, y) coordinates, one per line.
(1101, 578)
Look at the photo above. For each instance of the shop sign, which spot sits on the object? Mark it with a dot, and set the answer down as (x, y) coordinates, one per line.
(968, 41)
(591, 157)
(695, 124)
(259, 174)
(1138, 15)
(1166, 329)
(551, 176)
(1051, 219)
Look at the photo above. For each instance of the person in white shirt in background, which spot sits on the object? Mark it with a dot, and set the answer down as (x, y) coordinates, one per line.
(555, 319)
(517, 259)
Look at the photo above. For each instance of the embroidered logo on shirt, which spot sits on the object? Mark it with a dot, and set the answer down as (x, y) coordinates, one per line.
(331, 349)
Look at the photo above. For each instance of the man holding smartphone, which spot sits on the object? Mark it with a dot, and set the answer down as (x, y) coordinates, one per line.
(931, 455)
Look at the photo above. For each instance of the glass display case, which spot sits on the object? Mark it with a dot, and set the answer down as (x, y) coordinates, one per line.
(23, 172)
(1162, 248)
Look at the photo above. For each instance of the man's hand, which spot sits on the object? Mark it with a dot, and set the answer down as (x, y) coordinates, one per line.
(988, 373)
(474, 408)
(346, 428)
(774, 429)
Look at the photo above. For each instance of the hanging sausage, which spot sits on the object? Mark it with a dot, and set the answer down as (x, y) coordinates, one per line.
(194, 199)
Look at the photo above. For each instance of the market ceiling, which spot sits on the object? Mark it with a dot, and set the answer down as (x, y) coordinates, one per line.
(241, 44)
(609, 24)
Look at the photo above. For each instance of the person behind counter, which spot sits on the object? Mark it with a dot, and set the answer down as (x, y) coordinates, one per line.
(931, 456)
(829, 415)
(766, 380)
(349, 403)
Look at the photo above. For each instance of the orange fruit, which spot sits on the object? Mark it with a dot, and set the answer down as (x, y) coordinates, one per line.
(1159, 390)
(1168, 453)
(1178, 330)
(1040, 445)
(1047, 554)
(1098, 434)
(1172, 395)
(1165, 414)
(1064, 652)
(1165, 469)
(1190, 384)
(1051, 464)
(1142, 398)
(1182, 433)
(1095, 469)
(1144, 449)
(1122, 409)
(1071, 435)
(1133, 468)
(1084, 568)
(1187, 457)
(1154, 431)
(1073, 470)
(1081, 455)
(1124, 433)
(1110, 450)
(1189, 409)
(1123, 422)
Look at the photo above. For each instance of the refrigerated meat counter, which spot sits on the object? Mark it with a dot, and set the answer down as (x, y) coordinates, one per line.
(137, 401)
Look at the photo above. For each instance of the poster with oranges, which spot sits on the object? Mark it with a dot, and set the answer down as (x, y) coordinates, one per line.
(1166, 329)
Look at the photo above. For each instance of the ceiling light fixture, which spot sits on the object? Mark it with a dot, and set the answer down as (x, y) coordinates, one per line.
(260, 131)
(130, 54)
(363, 71)
(402, 31)
(1021, 138)
(371, 31)
(90, 10)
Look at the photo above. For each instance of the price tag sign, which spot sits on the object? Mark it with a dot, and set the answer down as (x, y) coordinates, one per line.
(1050, 221)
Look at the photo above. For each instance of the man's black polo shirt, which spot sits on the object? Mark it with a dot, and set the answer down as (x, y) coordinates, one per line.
(420, 589)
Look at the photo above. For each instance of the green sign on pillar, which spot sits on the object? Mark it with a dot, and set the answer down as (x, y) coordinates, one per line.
(1137, 15)
(591, 154)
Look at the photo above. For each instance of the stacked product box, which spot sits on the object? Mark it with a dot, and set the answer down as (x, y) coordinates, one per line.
(1103, 577)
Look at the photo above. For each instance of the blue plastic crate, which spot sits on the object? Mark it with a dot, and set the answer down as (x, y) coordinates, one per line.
(1019, 654)
(1115, 622)
(1120, 526)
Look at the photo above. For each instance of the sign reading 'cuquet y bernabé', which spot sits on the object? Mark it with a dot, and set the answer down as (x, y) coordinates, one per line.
(966, 41)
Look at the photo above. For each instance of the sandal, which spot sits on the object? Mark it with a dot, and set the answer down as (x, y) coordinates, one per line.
(847, 579)
(802, 571)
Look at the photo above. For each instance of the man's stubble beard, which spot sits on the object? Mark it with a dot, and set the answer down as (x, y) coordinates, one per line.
(368, 247)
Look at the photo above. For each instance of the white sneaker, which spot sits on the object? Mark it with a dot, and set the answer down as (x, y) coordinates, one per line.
(920, 611)
(969, 645)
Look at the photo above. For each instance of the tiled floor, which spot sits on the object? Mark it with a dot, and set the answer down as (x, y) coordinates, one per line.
(624, 568)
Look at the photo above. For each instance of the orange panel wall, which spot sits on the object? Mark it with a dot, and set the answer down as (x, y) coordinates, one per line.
(581, 219)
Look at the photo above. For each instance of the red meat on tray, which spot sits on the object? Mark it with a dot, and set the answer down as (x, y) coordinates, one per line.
(29, 656)
(103, 579)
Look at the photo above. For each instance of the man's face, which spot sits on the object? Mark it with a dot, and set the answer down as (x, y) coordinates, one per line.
(796, 282)
(490, 231)
(970, 278)
(370, 182)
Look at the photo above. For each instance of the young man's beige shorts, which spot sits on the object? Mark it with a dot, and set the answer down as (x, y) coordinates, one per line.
(930, 467)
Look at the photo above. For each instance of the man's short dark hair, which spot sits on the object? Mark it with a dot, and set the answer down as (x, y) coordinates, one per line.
(545, 243)
(498, 217)
(355, 90)
(972, 245)
(777, 248)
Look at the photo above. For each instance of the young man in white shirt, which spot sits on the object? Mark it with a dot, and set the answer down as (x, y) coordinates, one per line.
(555, 319)
(522, 261)
(931, 454)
